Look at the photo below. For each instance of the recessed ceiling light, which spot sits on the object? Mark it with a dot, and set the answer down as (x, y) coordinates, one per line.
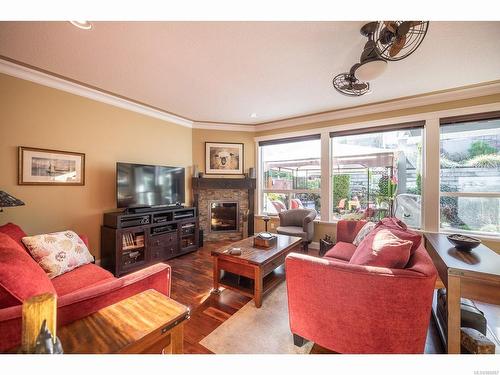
(253, 115)
(85, 25)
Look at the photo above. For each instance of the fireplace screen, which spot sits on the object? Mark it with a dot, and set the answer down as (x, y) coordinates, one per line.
(224, 216)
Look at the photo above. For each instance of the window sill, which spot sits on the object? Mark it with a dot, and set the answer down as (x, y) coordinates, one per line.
(274, 216)
(482, 237)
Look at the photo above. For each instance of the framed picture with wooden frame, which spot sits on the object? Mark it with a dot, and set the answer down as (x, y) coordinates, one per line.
(224, 158)
(38, 166)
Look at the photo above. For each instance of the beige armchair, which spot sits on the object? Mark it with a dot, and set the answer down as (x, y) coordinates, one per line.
(298, 222)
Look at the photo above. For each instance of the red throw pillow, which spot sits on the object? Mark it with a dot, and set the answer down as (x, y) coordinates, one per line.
(392, 222)
(382, 249)
(13, 231)
(399, 229)
(20, 276)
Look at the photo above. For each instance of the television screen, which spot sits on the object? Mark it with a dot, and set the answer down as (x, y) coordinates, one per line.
(148, 185)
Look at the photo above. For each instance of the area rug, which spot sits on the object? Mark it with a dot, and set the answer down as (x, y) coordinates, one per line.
(257, 331)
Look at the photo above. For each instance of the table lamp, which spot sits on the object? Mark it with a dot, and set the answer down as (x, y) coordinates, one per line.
(7, 200)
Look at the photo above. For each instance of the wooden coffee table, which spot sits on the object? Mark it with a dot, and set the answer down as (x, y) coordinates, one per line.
(474, 275)
(148, 322)
(262, 267)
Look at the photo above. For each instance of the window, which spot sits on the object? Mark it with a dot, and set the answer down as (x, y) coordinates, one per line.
(470, 175)
(378, 173)
(290, 174)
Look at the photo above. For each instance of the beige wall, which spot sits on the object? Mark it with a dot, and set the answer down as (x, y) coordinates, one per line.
(200, 136)
(38, 116)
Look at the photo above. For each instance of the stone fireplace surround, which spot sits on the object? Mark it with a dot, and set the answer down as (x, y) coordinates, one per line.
(241, 190)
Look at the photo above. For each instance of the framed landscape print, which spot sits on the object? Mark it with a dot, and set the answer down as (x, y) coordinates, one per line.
(223, 158)
(38, 166)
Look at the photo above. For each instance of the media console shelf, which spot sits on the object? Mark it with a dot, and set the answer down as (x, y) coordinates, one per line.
(130, 242)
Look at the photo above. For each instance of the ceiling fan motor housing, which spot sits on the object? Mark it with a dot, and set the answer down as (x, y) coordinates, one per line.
(386, 36)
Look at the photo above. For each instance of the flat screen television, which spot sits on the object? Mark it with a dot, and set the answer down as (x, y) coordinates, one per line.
(139, 185)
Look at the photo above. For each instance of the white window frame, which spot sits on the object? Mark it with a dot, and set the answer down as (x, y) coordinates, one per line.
(395, 128)
(469, 194)
(430, 160)
(261, 191)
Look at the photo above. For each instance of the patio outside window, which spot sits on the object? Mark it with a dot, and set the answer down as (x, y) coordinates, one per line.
(377, 173)
(470, 175)
(290, 174)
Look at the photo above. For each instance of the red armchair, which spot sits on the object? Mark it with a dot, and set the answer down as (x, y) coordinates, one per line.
(350, 308)
(81, 291)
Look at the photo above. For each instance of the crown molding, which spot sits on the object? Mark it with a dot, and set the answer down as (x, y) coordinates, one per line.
(45, 79)
(33, 75)
(386, 121)
(223, 126)
(466, 92)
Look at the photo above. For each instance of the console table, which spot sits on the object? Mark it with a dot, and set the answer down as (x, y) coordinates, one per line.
(474, 275)
(148, 322)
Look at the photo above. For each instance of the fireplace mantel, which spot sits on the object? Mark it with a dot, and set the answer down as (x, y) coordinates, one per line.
(223, 183)
(248, 184)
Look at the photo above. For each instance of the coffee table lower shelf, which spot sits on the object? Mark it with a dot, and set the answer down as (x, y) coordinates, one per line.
(246, 285)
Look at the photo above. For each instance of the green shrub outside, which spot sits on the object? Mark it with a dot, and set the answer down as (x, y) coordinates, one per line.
(341, 188)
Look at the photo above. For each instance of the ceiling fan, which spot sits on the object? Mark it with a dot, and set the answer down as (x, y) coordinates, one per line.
(397, 40)
(387, 41)
(348, 84)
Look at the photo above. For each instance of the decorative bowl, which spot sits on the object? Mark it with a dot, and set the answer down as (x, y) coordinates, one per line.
(462, 242)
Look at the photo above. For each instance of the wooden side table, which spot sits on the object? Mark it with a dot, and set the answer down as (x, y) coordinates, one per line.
(148, 322)
(474, 275)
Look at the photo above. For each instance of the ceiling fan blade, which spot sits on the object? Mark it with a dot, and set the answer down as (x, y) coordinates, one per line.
(392, 26)
(397, 46)
(346, 87)
(359, 86)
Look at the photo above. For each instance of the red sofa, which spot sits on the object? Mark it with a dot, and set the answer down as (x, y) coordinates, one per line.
(350, 308)
(80, 292)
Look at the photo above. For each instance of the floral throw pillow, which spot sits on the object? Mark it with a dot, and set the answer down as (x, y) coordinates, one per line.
(363, 232)
(58, 252)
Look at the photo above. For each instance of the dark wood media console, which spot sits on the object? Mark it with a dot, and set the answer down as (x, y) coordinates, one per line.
(130, 242)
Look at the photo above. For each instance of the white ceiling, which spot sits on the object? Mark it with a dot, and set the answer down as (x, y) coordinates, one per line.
(224, 71)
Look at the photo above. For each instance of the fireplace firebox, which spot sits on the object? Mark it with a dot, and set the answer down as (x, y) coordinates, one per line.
(224, 216)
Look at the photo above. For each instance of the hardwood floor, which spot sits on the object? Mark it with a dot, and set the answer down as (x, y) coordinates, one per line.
(191, 285)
